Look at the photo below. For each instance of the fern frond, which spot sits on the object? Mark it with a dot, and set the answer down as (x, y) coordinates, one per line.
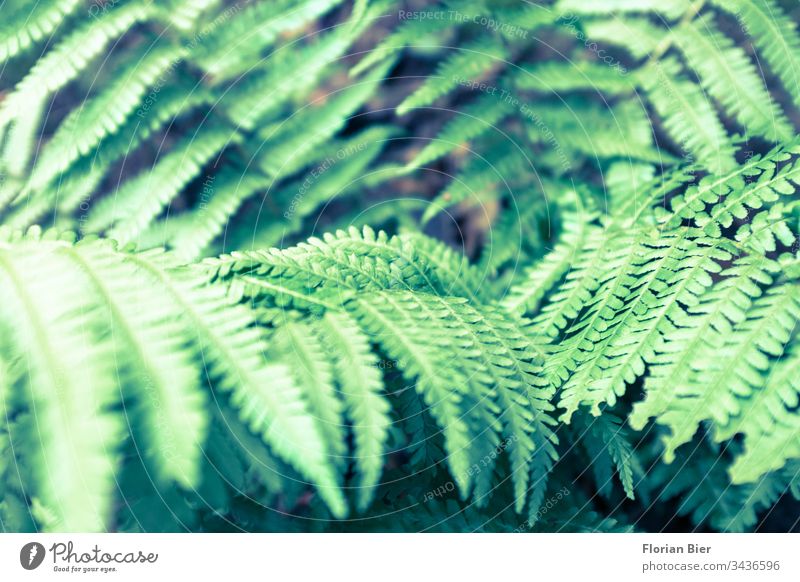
(734, 372)
(670, 8)
(331, 268)
(469, 63)
(395, 321)
(146, 195)
(290, 145)
(774, 182)
(581, 281)
(719, 387)
(79, 181)
(540, 278)
(605, 233)
(689, 117)
(557, 77)
(337, 171)
(772, 433)
(727, 74)
(718, 309)
(221, 198)
(673, 272)
(27, 24)
(476, 118)
(770, 228)
(584, 338)
(607, 443)
(71, 434)
(290, 74)
(104, 114)
(405, 323)
(170, 410)
(598, 131)
(235, 39)
(410, 33)
(129, 211)
(296, 345)
(357, 372)
(731, 194)
(70, 57)
(453, 273)
(639, 35)
(775, 36)
(264, 394)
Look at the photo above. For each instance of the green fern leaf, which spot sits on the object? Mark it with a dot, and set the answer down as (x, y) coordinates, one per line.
(103, 115)
(27, 24)
(358, 374)
(222, 195)
(404, 323)
(688, 115)
(469, 63)
(730, 195)
(772, 433)
(640, 37)
(673, 272)
(474, 119)
(775, 36)
(728, 75)
(718, 309)
(70, 380)
(540, 278)
(157, 360)
(251, 30)
(265, 394)
(259, 95)
(143, 198)
(297, 346)
(580, 282)
(670, 8)
(557, 77)
(70, 57)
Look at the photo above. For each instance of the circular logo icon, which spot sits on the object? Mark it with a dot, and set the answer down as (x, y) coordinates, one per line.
(31, 555)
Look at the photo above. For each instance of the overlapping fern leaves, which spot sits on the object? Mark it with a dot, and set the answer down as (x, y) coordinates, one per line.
(630, 302)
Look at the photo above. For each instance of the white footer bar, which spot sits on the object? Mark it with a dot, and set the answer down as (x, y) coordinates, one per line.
(400, 558)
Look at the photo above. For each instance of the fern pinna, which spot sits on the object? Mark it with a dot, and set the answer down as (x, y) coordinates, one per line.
(357, 266)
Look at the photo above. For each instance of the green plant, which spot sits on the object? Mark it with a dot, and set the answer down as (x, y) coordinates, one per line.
(601, 335)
